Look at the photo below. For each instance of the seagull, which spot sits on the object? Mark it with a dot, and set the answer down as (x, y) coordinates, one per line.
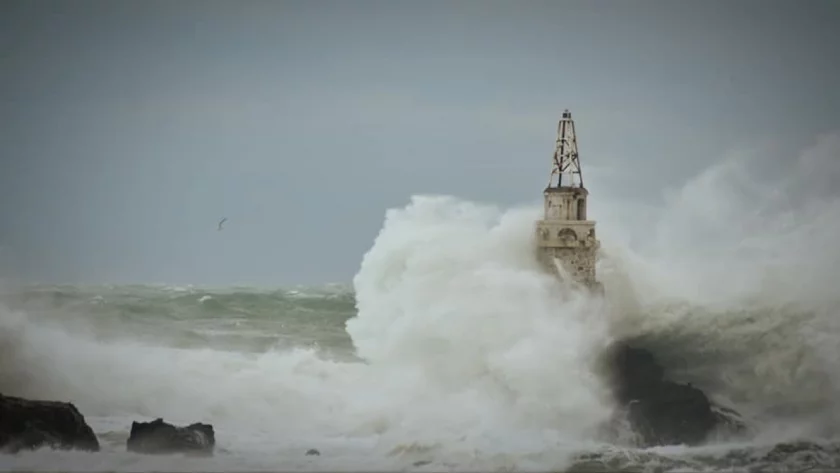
(221, 222)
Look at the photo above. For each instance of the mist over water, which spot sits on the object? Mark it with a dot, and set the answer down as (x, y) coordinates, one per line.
(459, 352)
(736, 290)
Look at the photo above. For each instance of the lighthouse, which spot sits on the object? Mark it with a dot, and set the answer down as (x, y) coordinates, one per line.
(566, 241)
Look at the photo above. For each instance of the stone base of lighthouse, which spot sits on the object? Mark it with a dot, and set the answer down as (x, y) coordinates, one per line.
(572, 245)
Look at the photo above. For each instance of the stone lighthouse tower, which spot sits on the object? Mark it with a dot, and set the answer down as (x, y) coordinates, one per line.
(566, 240)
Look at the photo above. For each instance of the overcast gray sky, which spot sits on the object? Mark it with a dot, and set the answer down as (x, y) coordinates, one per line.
(127, 129)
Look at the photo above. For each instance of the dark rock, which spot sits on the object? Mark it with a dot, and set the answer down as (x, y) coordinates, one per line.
(660, 411)
(28, 425)
(728, 423)
(159, 437)
(312, 451)
(634, 373)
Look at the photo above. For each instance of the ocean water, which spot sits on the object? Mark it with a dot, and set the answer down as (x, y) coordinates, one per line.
(450, 351)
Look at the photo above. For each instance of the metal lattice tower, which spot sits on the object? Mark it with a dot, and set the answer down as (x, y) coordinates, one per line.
(566, 159)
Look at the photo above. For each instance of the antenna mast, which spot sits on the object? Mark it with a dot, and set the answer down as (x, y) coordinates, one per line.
(566, 160)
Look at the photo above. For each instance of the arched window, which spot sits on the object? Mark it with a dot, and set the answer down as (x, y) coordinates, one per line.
(567, 234)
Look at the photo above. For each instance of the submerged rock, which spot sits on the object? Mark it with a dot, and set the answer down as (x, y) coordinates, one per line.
(29, 424)
(159, 437)
(659, 411)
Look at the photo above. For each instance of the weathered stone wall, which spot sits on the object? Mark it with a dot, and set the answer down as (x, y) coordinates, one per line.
(571, 242)
(578, 262)
(565, 204)
(566, 233)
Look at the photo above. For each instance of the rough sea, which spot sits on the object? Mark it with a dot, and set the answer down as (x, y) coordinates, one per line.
(450, 351)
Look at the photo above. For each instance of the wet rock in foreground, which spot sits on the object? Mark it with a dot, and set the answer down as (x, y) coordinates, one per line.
(159, 437)
(659, 411)
(31, 424)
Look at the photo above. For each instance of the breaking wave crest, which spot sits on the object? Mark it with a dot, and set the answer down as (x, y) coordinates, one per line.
(471, 358)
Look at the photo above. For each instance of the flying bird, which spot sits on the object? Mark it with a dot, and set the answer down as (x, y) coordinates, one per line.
(221, 222)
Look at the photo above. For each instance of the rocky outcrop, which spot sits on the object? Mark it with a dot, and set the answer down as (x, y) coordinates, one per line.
(29, 424)
(159, 437)
(659, 411)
